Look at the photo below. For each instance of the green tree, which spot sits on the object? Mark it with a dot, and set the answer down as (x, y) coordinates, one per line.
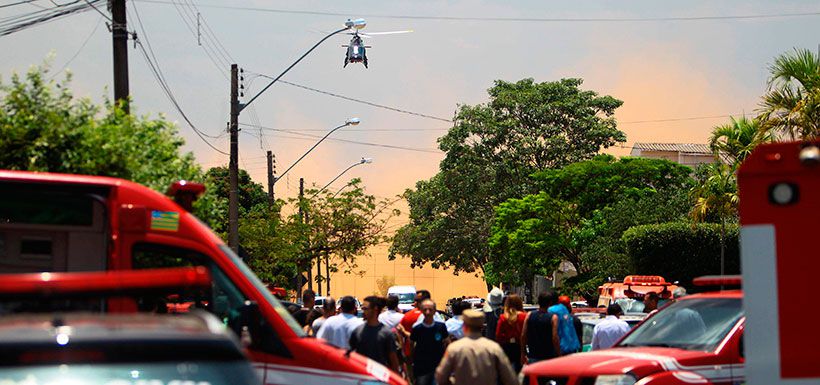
(715, 197)
(579, 218)
(733, 142)
(43, 127)
(492, 149)
(791, 106)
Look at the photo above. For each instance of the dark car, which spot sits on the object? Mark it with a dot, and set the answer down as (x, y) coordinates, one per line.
(85, 348)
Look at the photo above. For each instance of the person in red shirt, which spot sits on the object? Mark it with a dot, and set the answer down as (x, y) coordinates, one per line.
(508, 330)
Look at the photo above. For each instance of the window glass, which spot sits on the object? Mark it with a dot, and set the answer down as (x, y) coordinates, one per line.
(225, 301)
(694, 324)
(201, 373)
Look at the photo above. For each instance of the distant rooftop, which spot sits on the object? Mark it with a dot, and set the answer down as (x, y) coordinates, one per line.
(688, 148)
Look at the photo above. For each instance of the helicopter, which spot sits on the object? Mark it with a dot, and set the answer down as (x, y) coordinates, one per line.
(356, 49)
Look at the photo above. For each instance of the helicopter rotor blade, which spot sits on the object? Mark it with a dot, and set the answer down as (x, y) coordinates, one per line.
(383, 33)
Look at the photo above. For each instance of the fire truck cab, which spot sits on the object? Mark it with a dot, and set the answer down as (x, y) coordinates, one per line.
(73, 223)
(629, 293)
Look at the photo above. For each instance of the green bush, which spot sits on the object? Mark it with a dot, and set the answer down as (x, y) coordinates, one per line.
(681, 251)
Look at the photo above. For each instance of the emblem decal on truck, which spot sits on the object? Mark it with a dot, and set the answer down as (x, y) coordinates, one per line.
(164, 220)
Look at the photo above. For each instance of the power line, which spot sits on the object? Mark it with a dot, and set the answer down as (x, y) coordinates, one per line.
(426, 150)
(82, 46)
(509, 19)
(21, 22)
(170, 95)
(17, 3)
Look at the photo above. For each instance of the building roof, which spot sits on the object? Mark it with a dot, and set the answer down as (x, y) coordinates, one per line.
(688, 148)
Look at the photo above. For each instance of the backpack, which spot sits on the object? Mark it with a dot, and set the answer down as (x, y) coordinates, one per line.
(566, 330)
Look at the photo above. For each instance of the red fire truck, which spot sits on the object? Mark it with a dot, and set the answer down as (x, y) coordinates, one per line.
(629, 293)
(72, 223)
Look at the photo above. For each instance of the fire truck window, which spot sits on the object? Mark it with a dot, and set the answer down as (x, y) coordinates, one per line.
(225, 300)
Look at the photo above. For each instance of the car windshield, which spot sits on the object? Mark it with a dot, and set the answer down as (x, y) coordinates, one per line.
(406, 297)
(630, 305)
(154, 373)
(283, 312)
(694, 324)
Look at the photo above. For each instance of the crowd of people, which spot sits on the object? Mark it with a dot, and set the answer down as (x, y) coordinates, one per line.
(476, 346)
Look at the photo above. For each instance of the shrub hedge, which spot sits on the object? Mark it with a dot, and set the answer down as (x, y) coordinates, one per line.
(681, 251)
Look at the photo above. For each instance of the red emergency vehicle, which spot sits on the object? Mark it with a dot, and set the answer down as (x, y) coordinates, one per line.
(695, 340)
(70, 223)
(629, 293)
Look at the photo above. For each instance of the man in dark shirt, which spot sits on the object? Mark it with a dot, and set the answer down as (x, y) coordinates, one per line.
(539, 338)
(430, 339)
(308, 302)
(373, 339)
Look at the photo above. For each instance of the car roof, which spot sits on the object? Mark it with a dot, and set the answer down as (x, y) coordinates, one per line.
(109, 326)
(33, 339)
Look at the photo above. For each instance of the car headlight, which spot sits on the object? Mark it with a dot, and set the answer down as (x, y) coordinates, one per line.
(616, 379)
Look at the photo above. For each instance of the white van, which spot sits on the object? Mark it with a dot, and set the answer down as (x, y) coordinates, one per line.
(406, 294)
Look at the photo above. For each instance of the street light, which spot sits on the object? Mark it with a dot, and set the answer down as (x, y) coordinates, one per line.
(236, 109)
(363, 161)
(349, 122)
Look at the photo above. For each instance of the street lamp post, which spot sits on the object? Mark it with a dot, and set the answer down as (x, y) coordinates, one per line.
(349, 122)
(363, 161)
(327, 257)
(236, 109)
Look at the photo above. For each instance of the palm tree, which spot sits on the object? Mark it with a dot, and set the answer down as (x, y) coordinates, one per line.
(733, 142)
(791, 106)
(716, 197)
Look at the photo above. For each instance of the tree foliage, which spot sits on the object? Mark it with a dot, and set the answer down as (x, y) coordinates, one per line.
(681, 251)
(43, 127)
(791, 106)
(580, 216)
(492, 150)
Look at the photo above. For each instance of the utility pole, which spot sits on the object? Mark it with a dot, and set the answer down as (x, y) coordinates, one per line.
(298, 264)
(233, 167)
(119, 34)
(318, 274)
(270, 178)
(309, 270)
(327, 269)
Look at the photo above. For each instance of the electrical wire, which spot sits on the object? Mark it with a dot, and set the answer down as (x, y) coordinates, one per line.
(82, 46)
(426, 150)
(509, 19)
(17, 23)
(17, 3)
(173, 100)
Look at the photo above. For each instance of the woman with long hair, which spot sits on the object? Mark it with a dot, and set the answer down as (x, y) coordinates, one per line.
(508, 330)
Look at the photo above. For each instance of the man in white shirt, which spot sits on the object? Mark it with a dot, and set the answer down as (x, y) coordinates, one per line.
(610, 330)
(392, 316)
(337, 329)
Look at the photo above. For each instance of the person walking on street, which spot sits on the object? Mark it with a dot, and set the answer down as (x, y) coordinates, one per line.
(492, 311)
(429, 339)
(337, 329)
(455, 325)
(610, 330)
(392, 316)
(475, 360)
(308, 302)
(328, 310)
(566, 330)
(539, 338)
(576, 322)
(509, 329)
(373, 339)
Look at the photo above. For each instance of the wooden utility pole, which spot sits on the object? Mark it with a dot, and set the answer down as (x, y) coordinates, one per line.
(119, 34)
(233, 166)
(299, 264)
(318, 274)
(271, 178)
